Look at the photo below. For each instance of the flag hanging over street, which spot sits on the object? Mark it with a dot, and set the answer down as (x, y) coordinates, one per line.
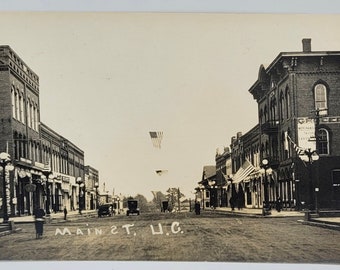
(156, 138)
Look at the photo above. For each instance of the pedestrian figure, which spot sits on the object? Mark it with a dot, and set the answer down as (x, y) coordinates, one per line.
(240, 200)
(232, 203)
(39, 222)
(65, 213)
(197, 208)
(278, 204)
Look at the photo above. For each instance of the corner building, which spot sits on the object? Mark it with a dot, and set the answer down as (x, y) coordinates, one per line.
(298, 97)
(46, 164)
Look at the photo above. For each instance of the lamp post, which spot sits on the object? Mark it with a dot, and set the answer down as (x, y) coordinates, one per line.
(48, 175)
(297, 189)
(312, 156)
(212, 191)
(202, 191)
(79, 182)
(5, 161)
(265, 166)
(96, 185)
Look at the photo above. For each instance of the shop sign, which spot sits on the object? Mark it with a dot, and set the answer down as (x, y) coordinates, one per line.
(306, 133)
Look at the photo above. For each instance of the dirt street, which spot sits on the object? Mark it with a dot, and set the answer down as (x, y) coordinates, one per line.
(176, 237)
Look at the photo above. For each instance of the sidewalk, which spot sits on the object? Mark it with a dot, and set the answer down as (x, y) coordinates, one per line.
(255, 212)
(53, 216)
(325, 222)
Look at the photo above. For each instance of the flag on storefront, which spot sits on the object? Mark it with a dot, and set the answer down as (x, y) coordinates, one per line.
(299, 150)
(242, 173)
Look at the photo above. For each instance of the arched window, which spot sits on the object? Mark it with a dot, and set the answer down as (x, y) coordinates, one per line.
(282, 106)
(287, 103)
(13, 101)
(261, 116)
(273, 110)
(16, 105)
(323, 147)
(320, 96)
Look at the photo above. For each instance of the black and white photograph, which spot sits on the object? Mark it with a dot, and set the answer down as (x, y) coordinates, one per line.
(170, 137)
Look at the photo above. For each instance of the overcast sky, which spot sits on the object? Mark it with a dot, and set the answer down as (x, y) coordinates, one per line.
(107, 79)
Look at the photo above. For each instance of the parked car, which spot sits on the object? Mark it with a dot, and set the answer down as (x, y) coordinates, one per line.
(105, 210)
(132, 208)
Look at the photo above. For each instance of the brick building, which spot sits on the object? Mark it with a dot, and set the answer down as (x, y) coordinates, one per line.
(46, 165)
(91, 180)
(294, 150)
(299, 118)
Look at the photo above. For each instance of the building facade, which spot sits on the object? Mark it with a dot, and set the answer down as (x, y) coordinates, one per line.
(223, 174)
(206, 192)
(48, 169)
(298, 106)
(91, 187)
(293, 152)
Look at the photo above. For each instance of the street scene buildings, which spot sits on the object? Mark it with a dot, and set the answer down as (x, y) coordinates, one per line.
(48, 170)
(292, 153)
(291, 156)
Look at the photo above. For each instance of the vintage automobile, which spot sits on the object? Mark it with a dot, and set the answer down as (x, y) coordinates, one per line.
(105, 210)
(132, 208)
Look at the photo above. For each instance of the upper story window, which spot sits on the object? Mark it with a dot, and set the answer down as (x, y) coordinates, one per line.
(320, 96)
(261, 116)
(282, 106)
(273, 109)
(287, 103)
(323, 147)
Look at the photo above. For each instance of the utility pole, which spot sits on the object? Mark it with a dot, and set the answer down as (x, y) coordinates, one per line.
(178, 198)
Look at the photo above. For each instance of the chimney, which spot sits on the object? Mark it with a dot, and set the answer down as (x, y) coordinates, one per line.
(306, 45)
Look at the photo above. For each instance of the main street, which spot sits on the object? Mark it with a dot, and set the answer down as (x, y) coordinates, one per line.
(176, 237)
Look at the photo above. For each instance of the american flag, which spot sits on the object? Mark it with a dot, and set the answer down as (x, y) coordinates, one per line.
(299, 150)
(156, 138)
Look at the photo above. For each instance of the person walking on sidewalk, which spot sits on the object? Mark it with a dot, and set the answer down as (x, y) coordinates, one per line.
(278, 204)
(197, 208)
(39, 215)
(65, 213)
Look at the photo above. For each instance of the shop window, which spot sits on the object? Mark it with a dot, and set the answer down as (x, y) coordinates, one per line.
(336, 183)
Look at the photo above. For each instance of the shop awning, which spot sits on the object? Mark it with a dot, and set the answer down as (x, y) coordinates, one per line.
(243, 172)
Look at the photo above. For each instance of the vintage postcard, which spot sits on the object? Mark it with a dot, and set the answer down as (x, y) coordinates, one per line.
(170, 137)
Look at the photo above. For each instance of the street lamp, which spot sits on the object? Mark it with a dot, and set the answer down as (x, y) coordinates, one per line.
(265, 166)
(5, 162)
(80, 183)
(49, 176)
(96, 185)
(118, 206)
(312, 156)
(202, 190)
(297, 190)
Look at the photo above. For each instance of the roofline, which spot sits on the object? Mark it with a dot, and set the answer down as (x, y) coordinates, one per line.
(296, 54)
(293, 54)
(18, 56)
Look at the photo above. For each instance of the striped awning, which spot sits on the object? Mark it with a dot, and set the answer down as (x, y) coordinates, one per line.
(243, 172)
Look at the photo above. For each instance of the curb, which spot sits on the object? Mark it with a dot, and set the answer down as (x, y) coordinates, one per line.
(251, 215)
(9, 232)
(321, 224)
(49, 220)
